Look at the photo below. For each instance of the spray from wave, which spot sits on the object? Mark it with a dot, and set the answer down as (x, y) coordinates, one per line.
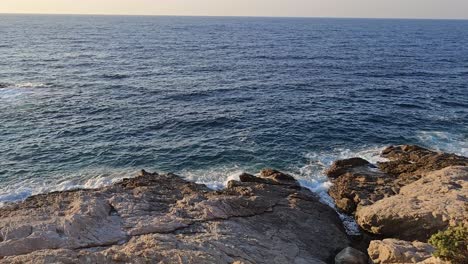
(444, 141)
(84, 179)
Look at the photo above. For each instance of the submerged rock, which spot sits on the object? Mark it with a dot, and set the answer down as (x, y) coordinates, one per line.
(161, 218)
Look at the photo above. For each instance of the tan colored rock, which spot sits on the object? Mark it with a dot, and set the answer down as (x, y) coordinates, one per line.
(398, 251)
(158, 218)
(422, 208)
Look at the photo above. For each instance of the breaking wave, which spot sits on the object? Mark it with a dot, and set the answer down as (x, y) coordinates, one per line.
(84, 179)
(444, 141)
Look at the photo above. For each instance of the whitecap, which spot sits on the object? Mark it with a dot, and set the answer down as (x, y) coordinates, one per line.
(444, 141)
(30, 85)
(91, 178)
(215, 178)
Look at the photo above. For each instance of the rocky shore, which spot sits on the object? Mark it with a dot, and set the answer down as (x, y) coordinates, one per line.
(269, 218)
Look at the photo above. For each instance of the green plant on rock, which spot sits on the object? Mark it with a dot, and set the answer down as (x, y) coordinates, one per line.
(451, 244)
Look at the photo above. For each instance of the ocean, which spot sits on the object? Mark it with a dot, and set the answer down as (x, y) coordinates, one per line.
(88, 100)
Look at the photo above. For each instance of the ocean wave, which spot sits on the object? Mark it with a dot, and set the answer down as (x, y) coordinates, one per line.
(444, 141)
(215, 178)
(30, 85)
(312, 176)
(5, 85)
(84, 179)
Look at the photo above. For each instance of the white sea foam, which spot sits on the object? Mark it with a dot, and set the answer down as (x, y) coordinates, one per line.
(312, 176)
(16, 94)
(214, 178)
(444, 141)
(22, 85)
(30, 85)
(84, 179)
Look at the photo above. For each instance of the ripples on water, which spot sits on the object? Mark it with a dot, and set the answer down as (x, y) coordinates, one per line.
(87, 100)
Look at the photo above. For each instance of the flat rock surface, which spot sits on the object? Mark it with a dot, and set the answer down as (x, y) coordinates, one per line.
(158, 218)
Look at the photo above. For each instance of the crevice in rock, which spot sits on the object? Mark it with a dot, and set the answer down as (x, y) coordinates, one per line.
(113, 211)
(105, 245)
(194, 222)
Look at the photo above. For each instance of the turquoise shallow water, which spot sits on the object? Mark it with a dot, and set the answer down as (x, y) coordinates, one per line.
(87, 100)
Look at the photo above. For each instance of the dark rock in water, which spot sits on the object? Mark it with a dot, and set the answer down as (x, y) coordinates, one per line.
(350, 255)
(279, 177)
(4, 85)
(342, 166)
(270, 176)
(245, 177)
(161, 218)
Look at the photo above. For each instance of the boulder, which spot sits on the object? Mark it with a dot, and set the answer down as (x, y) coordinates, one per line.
(350, 255)
(278, 177)
(340, 167)
(161, 218)
(399, 251)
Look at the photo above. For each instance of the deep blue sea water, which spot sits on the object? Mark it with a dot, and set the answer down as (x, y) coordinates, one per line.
(87, 100)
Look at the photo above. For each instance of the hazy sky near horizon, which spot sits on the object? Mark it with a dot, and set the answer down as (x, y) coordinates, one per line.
(302, 8)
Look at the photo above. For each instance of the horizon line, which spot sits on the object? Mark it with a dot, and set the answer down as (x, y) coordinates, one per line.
(233, 16)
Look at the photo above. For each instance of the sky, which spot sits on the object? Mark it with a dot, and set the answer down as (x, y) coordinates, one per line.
(452, 9)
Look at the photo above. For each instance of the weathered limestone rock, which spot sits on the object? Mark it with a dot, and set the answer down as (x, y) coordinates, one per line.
(350, 255)
(422, 208)
(157, 218)
(399, 251)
